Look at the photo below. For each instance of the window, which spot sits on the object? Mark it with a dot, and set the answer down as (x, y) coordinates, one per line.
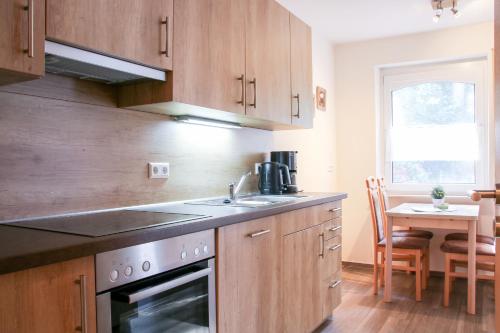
(434, 127)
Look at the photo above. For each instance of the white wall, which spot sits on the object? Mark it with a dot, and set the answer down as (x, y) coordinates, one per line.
(355, 106)
(316, 147)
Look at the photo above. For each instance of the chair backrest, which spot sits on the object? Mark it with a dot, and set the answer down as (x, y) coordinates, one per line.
(382, 193)
(377, 213)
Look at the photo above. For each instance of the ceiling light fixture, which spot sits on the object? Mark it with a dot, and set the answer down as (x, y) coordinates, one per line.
(438, 12)
(440, 5)
(207, 122)
(454, 9)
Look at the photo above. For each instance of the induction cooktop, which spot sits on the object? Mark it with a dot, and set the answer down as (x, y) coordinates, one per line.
(105, 223)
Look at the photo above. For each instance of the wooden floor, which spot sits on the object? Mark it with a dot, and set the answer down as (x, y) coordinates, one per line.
(363, 312)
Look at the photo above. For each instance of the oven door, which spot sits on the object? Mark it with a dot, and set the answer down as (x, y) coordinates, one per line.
(182, 300)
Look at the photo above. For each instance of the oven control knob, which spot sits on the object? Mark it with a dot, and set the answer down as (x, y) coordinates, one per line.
(146, 266)
(205, 249)
(128, 270)
(183, 255)
(196, 252)
(113, 276)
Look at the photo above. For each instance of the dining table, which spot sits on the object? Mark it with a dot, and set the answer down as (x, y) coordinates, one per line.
(417, 215)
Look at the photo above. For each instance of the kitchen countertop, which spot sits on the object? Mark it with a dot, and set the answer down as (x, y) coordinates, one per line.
(22, 248)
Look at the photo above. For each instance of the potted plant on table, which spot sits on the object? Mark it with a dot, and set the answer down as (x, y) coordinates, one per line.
(438, 194)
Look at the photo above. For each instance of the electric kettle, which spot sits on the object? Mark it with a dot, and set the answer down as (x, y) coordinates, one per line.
(273, 178)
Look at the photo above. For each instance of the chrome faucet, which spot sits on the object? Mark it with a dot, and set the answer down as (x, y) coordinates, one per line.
(234, 191)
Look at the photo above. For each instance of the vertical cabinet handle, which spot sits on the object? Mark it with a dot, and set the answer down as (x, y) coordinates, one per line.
(322, 244)
(297, 97)
(83, 303)
(242, 79)
(254, 83)
(30, 8)
(166, 22)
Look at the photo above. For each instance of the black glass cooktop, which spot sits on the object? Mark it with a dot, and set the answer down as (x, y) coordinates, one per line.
(106, 223)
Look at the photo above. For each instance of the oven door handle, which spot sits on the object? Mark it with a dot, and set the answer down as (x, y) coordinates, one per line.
(145, 293)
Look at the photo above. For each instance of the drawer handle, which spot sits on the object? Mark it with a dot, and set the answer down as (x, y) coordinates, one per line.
(332, 210)
(83, 303)
(335, 247)
(260, 233)
(336, 228)
(335, 284)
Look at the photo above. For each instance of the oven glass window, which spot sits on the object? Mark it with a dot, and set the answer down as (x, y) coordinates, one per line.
(182, 309)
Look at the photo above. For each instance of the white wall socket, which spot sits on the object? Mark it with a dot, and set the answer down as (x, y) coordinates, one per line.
(159, 170)
(257, 165)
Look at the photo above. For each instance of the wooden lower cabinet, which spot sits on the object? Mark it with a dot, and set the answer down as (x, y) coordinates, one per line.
(302, 294)
(286, 278)
(49, 298)
(332, 291)
(249, 277)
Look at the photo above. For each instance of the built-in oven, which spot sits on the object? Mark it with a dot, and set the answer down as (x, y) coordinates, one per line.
(164, 286)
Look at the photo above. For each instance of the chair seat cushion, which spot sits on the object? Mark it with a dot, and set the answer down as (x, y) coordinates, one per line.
(412, 243)
(465, 237)
(413, 233)
(461, 247)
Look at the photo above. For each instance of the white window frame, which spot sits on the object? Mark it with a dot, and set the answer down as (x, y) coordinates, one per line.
(397, 77)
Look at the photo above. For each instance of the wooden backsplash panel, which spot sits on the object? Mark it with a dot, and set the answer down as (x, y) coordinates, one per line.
(66, 150)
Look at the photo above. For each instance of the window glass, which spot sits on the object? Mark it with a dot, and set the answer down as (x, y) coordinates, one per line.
(434, 137)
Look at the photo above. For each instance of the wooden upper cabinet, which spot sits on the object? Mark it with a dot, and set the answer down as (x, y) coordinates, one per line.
(232, 61)
(268, 61)
(22, 36)
(301, 73)
(49, 298)
(139, 31)
(209, 54)
(249, 277)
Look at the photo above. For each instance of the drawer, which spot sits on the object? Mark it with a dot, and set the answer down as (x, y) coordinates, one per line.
(332, 297)
(332, 260)
(330, 210)
(333, 228)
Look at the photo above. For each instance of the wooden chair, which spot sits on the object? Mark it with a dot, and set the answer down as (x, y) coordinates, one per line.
(409, 249)
(456, 255)
(384, 202)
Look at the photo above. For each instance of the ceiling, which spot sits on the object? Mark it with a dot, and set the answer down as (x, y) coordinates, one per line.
(344, 21)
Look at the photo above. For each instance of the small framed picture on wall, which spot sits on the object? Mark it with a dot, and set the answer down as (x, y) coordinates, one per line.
(321, 98)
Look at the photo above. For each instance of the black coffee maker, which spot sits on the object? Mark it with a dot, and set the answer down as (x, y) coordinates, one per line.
(289, 158)
(274, 178)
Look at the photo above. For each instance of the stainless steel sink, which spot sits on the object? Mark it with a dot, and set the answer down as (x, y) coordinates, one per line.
(250, 201)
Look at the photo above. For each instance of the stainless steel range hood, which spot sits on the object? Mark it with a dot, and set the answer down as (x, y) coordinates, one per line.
(71, 61)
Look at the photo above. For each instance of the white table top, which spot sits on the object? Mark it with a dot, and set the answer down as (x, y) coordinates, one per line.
(457, 212)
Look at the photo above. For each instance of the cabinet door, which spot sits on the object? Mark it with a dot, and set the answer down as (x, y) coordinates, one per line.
(301, 73)
(209, 61)
(140, 31)
(49, 298)
(249, 277)
(303, 294)
(268, 61)
(22, 36)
